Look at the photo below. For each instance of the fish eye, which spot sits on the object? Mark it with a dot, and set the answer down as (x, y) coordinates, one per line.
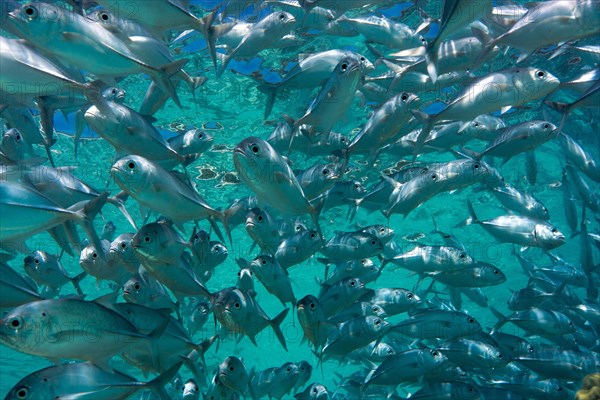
(312, 235)
(123, 245)
(496, 272)
(200, 135)
(36, 260)
(476, 124)
(231, 368)
(540, 74)
(282, 17)
(239, 273)
(288, 369)
(136, 286)
(313, 306)
(435, 353)
(343, 140)
(554, 230)
(462, 255)
(94, 255)
(409, 296)
(500, 356)
(404, 97)
(356, 186)
(236, 305)
(147, 239)
(546, 126)
(30, 11)
(16, 322)
(476, 166)
(571, 323)
(343, 67)
(260, 218)
(18, 138)
(105, 17)
(352, 283)
(362, 59)
(264, 261)
(22, 393)
(470, 389)
(373, 242)
(471, 320)
(131, 165)
(325, 172)
(315, 390)
(377, 322)
(434, 177)
(254, 149)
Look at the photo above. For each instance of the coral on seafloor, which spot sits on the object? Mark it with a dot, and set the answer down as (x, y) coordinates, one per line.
(590, 390)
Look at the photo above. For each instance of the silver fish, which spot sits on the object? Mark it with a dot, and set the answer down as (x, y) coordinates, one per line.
(86, 380)
(267, 174)
(520, 230)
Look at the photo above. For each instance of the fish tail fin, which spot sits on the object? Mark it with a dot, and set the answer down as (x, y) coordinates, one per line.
(203, 346)
(212, 32)
(562, 108)
(487, 42)
(79, 127)
(75, 281)
(195, 82)
(427, 120)
(120, 204)
(158, 384)
(225, 59)
(472, 216)
(224, 218)
(271, 91)
(431, 60)
(163, 75)
(501, 319)
(276, 325)
(86, 217)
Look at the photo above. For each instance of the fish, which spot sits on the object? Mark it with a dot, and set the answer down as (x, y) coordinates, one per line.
(69, 324)
(160, 189)
(263, 170)
(15, 289)
(64, 34)
(520, 138)
(456, 14)
(86, 379)
(22, 202)
(261, 36)
(403, 366)
(311, 70)
(335, 97)
(512, 87)
(45, 269)
(240, 313)
(520, 230)
(274, 277)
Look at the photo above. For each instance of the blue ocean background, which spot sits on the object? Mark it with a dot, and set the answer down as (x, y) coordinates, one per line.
(231, 108)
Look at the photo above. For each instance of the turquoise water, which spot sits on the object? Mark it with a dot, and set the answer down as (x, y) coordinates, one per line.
(231, 108)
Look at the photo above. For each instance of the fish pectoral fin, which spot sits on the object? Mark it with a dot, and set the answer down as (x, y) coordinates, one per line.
(73, 37)
(280, 177)
(505, 109)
